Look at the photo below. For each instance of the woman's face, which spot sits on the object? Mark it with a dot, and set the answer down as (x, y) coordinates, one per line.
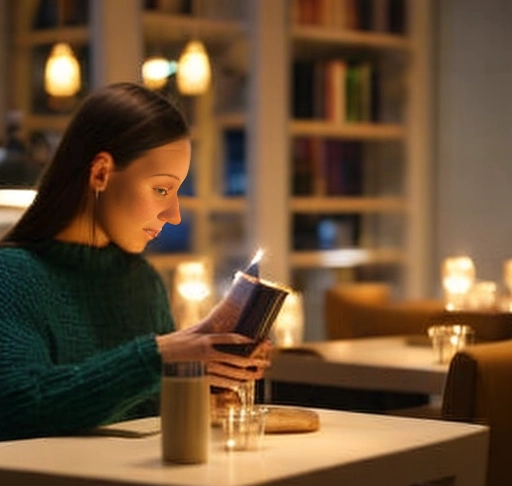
(141, 198)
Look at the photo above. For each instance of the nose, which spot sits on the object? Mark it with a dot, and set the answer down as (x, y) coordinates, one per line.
(172, 214)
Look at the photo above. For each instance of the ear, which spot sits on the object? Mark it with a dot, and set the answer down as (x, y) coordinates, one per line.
(101, 167)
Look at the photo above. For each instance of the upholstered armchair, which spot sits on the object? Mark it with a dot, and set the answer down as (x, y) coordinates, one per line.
(479, 390)
(364, 310)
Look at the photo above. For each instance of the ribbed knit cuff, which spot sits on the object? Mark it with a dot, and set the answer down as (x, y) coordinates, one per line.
(149, 354)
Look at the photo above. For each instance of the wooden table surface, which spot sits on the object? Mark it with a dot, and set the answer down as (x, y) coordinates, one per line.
(396, 364)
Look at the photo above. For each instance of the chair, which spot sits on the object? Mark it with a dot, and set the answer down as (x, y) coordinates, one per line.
(479, 390)
(366, 309)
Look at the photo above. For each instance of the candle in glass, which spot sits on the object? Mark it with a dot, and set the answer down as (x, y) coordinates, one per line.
(458, 274)
(507, 274)
(482, 296)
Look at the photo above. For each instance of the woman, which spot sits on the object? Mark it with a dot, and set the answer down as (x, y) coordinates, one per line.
(84, 319)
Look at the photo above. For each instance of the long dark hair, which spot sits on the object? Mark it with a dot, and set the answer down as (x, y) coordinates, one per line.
(123, 119)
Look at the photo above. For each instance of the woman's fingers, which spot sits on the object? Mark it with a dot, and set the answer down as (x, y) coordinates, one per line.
(263, 350)
(235, 373)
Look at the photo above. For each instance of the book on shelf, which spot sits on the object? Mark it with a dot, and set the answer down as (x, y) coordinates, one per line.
(302, 167)
(343, 168)
(336, 90)
(397, 16)
(327, 167)
(176, 7)
(303, 89)
(52, 14)
(250, 308)
(366, 15)
(308, 178)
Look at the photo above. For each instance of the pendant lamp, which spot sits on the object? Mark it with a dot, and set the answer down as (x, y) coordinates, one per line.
(194, 73)
(62, 71)
(156, 70)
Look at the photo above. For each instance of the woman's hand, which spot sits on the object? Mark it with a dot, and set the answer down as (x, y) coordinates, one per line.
(225, 370)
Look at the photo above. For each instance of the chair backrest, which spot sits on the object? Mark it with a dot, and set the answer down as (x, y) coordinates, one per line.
(364, 310)
(479, 390)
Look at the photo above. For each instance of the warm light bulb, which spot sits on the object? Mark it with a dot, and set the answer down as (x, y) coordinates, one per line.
(192, 293)
(288, 328)
(17, 198)
(62, 71)
(156, 70)
(192, 282)
(194, 73)
(458, 274)
(458, 278)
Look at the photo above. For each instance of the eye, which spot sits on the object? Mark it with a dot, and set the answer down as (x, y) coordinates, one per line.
(160, 191)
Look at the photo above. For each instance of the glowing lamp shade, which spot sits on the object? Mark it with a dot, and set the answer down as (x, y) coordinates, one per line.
(288, 329)
(62, 71)
(191, 281)
(194, 72)
(192, 293)
(156, 70)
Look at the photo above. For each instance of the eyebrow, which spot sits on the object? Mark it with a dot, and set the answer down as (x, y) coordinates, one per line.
(168, 175)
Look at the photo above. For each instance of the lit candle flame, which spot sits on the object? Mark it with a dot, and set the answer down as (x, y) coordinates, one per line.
(253, 268)
(257, 256)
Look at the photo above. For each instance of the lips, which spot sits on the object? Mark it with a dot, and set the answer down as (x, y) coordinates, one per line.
(152, 232)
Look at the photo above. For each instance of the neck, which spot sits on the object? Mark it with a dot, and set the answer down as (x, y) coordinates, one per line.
(83, 230)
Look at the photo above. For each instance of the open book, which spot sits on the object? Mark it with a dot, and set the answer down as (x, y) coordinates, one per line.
(250, 308)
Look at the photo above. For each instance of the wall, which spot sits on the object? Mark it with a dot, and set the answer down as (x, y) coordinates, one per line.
(474, 166)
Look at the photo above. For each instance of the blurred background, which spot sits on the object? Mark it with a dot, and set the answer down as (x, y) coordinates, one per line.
(351, 140)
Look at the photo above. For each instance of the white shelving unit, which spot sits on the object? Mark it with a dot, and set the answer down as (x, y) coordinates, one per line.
(264, 42)
(271, 205)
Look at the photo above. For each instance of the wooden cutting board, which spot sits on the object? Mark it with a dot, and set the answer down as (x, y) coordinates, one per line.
(286, 420)
(280, 420)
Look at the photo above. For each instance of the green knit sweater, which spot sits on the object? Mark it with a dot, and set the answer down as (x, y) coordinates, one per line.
(77, 337)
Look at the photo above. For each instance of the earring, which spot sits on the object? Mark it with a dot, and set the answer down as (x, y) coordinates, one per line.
(96, 194)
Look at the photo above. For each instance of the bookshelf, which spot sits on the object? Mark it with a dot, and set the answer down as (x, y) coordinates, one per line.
(253, 46)
(392, 208)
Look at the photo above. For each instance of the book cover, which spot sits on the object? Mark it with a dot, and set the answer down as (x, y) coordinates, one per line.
(303, 89)
(302, 167)
(353, 89)
(250, 308)
(335, 98)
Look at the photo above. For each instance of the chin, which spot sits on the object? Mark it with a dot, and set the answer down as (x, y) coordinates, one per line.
(131, 248)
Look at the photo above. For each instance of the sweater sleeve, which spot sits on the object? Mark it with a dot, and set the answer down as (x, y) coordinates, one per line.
(38, 398)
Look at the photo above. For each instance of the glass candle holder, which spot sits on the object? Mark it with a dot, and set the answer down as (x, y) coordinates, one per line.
(458, 277)
(447, 340)
(246, 392)
(482, 296)
(244, 428)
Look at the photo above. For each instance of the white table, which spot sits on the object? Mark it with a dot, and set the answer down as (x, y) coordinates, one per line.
(350, 448)
(396, 364)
